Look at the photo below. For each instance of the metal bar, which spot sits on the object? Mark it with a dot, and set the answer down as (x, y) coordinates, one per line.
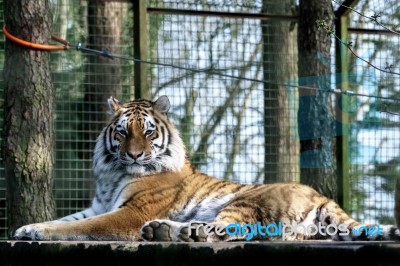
(372, 31)
(238, 15)
(342, 81)
(343, 10)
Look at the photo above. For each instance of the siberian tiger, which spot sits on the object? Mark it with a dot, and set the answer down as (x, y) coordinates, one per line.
(147, 189)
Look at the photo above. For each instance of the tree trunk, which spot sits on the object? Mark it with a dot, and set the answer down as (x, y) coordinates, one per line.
(281, 161)
(316, 123)
(103, 77)
(28, 133)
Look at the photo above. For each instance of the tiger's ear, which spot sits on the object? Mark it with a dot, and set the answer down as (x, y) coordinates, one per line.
(162, 104)
(113, 105)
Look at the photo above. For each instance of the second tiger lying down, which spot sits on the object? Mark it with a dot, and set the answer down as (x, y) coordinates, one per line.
(147, 189)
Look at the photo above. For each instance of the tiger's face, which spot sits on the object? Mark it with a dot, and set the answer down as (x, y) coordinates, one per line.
(139, 140)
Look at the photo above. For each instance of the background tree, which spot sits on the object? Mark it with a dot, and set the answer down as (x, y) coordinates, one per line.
(316, 125)
(280, 68)
(28, 133)
(103, 74)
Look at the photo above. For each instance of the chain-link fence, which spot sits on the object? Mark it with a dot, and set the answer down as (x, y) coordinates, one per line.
(230, 71)
(374, 147)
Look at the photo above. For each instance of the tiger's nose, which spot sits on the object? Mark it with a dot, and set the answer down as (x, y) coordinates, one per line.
(134, 155)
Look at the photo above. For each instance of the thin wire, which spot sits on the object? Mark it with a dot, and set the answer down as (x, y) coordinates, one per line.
(106, 53)
(213, 71)
(371, 18)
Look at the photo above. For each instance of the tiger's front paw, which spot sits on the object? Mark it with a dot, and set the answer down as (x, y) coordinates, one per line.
(32, 232)
(156, 230)
(163, 230)
(167, 230)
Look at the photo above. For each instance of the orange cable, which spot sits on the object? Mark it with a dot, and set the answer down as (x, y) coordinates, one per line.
(45, 47)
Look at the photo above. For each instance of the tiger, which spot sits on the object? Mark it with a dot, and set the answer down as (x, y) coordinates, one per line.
(148, 190)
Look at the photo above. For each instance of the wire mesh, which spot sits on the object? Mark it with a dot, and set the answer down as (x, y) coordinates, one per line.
(217, 113)
(238, 129)
(208, 104)
(376, 154)
(374, 142)
(83, 83)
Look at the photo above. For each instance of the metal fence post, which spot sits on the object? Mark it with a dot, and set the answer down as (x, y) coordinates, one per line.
(342, 81)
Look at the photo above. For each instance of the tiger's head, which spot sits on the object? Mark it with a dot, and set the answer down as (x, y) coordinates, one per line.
(139, 139)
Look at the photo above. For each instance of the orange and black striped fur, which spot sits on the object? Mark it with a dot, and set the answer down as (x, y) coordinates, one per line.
(146, 189)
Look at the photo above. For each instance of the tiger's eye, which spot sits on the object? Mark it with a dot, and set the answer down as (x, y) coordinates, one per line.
(148, 132)
(123, 132)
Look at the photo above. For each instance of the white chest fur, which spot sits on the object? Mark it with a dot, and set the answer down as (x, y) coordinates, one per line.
(110, 191)
(202, 210)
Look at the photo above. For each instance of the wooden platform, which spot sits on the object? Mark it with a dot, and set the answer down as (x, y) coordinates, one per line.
(236, 253)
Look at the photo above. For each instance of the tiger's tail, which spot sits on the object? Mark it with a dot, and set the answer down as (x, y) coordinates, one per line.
(348, 229)
(373, 232)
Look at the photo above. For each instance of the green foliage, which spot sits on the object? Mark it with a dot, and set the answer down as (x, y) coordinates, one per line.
(389, 171)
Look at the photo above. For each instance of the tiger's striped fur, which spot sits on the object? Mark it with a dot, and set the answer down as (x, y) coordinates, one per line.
(146, 188)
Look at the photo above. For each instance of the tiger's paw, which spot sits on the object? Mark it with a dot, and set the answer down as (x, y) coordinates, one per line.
(32, 232)
(167, 230)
